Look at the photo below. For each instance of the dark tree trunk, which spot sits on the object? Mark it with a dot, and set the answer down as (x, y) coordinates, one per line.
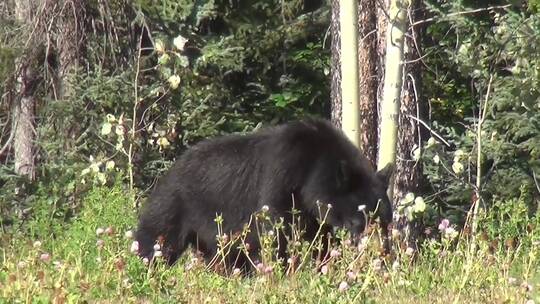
(335, 69)
(409, 170)
(70, 44)
(70, 51)
(382, 22)
(367, 64)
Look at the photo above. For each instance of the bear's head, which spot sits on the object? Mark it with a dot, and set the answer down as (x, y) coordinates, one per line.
(347, 192)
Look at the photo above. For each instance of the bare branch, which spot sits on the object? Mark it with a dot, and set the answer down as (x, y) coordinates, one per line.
(430, 130)
(10, 139)
(534, 178)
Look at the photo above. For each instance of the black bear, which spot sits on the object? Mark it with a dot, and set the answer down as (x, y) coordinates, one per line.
(301, 163)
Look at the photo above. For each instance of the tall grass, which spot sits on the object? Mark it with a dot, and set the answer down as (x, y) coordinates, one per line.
(88, 259)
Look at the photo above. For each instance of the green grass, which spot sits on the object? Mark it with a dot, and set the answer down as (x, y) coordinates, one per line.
(81, 271)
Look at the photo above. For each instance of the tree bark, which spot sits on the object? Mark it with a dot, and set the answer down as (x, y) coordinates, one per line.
(390, 103)
(335, 66)
(70, 44)
(350, 117)
(24, 138)
(367, 65)
(382, 23)
(24, 105)
(408, 172)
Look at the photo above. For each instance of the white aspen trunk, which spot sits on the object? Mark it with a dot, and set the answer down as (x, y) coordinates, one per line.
(350, 117)
(25, 104)
(23, 139)
(393, 81)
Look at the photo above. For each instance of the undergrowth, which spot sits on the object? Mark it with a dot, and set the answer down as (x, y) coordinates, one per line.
(88, 259)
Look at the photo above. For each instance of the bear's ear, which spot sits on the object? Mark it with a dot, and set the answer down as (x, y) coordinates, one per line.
(343, 175)
(385, 173)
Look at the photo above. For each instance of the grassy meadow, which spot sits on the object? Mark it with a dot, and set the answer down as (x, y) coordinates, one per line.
(87, 259)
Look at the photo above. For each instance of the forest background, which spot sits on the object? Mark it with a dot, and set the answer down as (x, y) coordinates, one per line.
(98, 98)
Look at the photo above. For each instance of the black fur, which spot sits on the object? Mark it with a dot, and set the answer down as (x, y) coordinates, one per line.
(237, 175)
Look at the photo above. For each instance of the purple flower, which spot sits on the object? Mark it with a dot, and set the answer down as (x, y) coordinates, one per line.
(109, 230)
(324, 269)
(335, 253)
(45, 257)
(343, 286)
(526, 286)
(444, 224)
(268, 269)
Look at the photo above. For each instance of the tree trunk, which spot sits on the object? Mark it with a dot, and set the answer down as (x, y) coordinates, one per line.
(367, 64)
(382, 23)
(24, 138)
(408, 170)
(393, 71)
(24, 105)
(350, 117)
(70, 44)
(335, 66)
